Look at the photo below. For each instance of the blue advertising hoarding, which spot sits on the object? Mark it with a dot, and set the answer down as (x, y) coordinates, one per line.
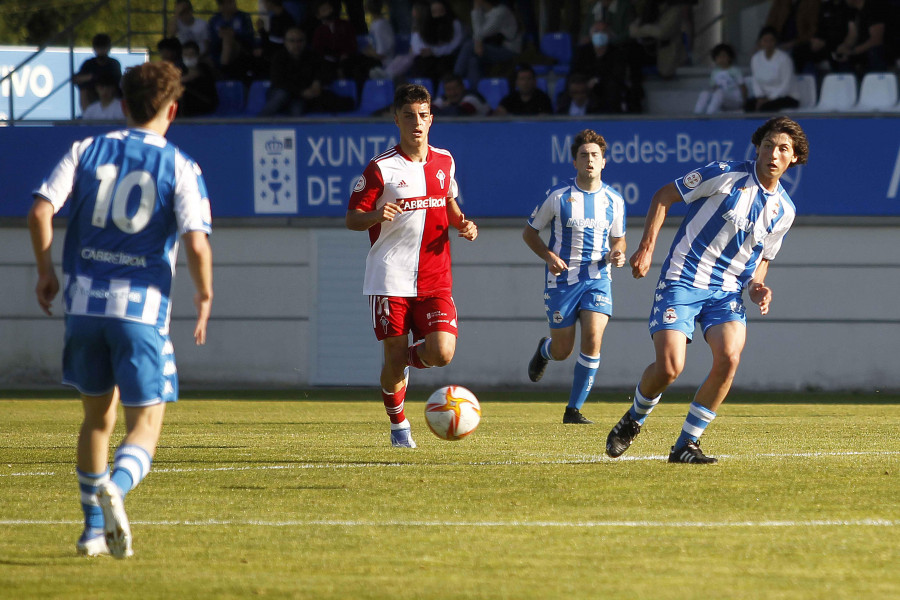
(307, 169)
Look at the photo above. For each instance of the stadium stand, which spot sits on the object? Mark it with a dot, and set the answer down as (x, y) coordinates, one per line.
(376, 95)
(423, 81)
(231, 98)
(838, 92)
(256, 97)
(345, 88)
(804, 90)
(558, 46)
(878, 92)
(493, 89)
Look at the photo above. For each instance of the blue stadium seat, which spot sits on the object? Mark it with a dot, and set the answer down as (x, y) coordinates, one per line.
(231, 98)
(440, 90)
(493, 89)
(401, 43)
(376, 95)
(345, 88)
(425, 82)
(256, 97)
(558, 46)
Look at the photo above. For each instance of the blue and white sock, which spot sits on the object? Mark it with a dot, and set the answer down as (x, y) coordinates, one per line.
(698, 418)
(89, 483)
(583, 379)
(545, 349)
(642, 406)
(130, 466)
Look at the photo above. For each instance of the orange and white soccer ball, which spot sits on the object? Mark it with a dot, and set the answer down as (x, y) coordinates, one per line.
(452, 412)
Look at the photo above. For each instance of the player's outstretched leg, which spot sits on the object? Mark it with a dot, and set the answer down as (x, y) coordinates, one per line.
(115, 521)
(538, 363)
(629, 426)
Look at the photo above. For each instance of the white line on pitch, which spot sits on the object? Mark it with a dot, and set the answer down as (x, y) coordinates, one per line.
(536, 524)
(491, 463)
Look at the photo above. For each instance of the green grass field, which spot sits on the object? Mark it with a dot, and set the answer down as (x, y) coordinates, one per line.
(299, 495)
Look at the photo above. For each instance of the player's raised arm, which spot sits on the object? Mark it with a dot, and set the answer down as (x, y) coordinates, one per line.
(40, 225)
(662, 201)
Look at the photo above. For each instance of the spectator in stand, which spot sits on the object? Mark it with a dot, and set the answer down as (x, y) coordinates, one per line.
(108, 107)
(188, 28)
(605, 69)
(297, 81)
(231, 40)
(863, 50)
(575, 100)
(271, 33)
(380, 49)
(398, 66)
(457, 101)
(200, 96)
(93, 68)
(794, 21)
(335, 41)
(726, 84)
(812, 53)
(437, 45)
(170, 51)
(659, 27)
(496, 40)
(618, 16)
(526, 99)
(771, 76)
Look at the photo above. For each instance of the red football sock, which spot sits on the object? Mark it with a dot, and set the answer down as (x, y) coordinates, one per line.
(393, 405)
(414, 360)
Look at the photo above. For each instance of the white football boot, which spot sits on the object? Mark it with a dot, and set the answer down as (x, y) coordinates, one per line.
(115, 521)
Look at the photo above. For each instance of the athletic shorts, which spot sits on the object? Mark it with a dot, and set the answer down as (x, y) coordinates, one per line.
(101, 353)
(393, 316)
(563, 303)
(678, 305)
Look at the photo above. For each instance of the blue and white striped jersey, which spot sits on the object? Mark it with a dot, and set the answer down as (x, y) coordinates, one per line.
(732, 223)
(581, 224)
(131, 195)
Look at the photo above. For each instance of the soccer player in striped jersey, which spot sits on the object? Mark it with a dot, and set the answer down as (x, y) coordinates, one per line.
(738, 214)
(131, 196)
(586, 218)
(406, 200)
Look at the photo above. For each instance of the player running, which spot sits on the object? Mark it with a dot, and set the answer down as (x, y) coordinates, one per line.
(406, 199)
(738, 214)
(586, 218)
(131, 195)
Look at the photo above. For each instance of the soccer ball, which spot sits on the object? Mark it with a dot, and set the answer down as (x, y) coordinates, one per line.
(452, 412)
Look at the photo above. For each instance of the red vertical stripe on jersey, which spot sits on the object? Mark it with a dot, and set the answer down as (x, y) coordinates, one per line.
(434, 255)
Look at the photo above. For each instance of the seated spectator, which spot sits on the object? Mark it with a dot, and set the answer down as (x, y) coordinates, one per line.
(436, 46)
(200, 96)
(617, 15)
(170, 51)
(271, 34)
(771, 76)
(93, 68)
(188, 28)
(457, 101)
(380, 49)
(108, 107)
(231, 41)
(659, 27)
(605, 70)
(575, 100)
(525, 99)
(398, 66)
(863, 50)
(495, 40)
(335, 41)
(815, 55)
(726, 84)
(297, 81)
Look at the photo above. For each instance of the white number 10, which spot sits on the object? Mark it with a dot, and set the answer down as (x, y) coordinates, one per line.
(109, 193)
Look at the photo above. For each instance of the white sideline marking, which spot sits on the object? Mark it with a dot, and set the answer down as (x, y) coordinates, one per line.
(487, 524)
(492, 463)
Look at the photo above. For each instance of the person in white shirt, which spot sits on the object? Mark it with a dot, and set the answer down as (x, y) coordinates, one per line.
(187, 28)
(495, 39)
(108, 107)
(726, 90)
(771, 76)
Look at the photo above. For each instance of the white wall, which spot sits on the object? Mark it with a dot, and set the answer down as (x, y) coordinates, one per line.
(288, 311)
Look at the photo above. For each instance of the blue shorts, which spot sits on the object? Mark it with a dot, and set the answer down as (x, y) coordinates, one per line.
(101, 353)
(677, 305)
(563, 303)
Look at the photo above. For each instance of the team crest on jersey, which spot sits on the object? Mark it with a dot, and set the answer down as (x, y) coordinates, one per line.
(670, 316)
(441, 177)
(360, 184)
(557, 317)
(692, 180)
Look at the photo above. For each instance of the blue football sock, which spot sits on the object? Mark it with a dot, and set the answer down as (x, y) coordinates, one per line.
(131, 465)
(545, 349)
(642, 406)
(698, 418)
(583, 379)
(88, 483)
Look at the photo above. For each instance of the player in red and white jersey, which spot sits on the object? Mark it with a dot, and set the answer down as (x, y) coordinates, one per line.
(406, 199)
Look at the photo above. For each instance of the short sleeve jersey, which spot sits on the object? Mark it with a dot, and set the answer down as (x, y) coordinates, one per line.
(131, 195)
(731, 224)
(410, 256)
(581, 224)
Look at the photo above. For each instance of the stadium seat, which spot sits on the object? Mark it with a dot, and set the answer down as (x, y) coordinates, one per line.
(493, 89)
(425, 82)
(878, 92)
(558, 46)
(256, 97)
(804, 90)
(440, 90)
(376, 95)
(345, 88)
(838, 92)
(401, 43)
(231, 98)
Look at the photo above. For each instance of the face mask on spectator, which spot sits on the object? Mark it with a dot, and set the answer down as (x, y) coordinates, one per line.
(190, 63)
(599, 39)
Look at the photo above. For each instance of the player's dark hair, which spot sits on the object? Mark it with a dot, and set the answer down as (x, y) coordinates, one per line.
(789, 127)
(148, 87)
(588, 136)
(411, 94)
